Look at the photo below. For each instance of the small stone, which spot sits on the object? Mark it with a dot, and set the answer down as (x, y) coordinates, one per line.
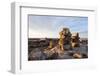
(77, 55)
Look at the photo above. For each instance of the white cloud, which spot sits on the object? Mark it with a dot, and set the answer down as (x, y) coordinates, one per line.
(41, 34)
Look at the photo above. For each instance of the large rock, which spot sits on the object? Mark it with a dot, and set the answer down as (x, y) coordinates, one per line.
(54, 52)
(75, 40)
(36, 54)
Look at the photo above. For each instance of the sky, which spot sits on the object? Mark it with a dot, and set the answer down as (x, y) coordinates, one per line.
(49, 26)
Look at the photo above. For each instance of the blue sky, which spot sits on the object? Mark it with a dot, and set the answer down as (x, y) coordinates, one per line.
(50, 26)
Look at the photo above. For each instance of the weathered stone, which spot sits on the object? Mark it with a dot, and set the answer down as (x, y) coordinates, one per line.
(77, 55)
(68, 46)
(35, 54)
(75, 40)
(55, 50)
(65, 38)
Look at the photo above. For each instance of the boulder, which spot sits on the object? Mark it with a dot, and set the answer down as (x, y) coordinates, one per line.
(36, 54)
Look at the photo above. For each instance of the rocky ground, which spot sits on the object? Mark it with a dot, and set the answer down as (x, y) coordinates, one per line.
(41, 53)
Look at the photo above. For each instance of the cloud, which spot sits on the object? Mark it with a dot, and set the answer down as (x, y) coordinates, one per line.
(50, 26)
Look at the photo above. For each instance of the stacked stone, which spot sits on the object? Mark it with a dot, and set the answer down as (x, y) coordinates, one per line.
(65, 39)
(75, 40)
(67, 35)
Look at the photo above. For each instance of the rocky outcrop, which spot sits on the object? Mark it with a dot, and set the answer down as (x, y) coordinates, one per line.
(67, 46)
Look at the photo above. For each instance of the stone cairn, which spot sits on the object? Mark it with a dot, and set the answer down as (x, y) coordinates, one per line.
(63, 47)
(66, 38)
(75, 40)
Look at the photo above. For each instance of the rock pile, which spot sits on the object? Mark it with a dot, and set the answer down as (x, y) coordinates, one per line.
(75, 42)
(67, 46)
